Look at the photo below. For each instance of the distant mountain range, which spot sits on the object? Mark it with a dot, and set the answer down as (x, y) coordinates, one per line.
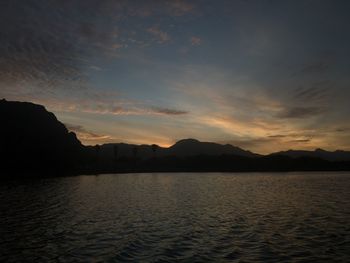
(318, 153)
(33, 141)
(193, 147)
(182, 148)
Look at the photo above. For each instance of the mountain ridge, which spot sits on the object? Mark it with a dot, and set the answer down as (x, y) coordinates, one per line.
(33, 140)
(337, 155)
(184, 149)
(181, 148)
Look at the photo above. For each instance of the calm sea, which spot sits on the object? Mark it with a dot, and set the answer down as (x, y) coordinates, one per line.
(193, 217)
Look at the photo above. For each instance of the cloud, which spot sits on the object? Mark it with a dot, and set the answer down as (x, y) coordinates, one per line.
(49, 44)
(300, 112)
(149, 8)
(318, 91)
(301, 141)
(195, 41)
(96, 104)
(342, 129)
(96, 68)
(167, 111)
(277, 136)
(268, 144)
(315, 68)
(180, 7)
(140, 110)
(85, 135)
(117, 46)
(250, 143)
(160, 35)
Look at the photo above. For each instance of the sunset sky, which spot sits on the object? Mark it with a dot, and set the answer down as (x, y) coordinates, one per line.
(265, 75)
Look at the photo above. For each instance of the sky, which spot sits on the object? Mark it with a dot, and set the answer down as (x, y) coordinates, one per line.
(264, 75)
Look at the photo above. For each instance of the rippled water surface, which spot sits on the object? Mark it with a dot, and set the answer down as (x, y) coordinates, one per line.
(291, 217)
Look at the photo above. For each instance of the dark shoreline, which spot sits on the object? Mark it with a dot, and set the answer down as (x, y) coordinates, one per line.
(8, 176)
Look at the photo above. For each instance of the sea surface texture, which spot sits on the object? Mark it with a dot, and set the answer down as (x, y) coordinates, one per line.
(193, 217)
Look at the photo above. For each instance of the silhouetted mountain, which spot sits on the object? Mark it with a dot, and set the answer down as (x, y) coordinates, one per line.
(32, 139)
(190, 155)
(318, 153)
(192, 147)
(112, 150)
(182, 148)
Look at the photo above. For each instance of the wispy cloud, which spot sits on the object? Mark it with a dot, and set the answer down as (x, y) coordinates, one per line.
(132, 110)
(160, 35)
(195, 41)
(268, 144)
(315, 67)
(180, 7)
(149, 8)
(111, 107)
(52, 43)
(318, 65)
(300, 112)
(167, 111)
(87, 136)
(46, 43)
(342, 129)
(316, 92)
(301, 141)
(277, 136)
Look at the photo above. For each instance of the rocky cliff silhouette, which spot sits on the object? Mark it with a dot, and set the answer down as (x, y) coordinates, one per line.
(33, 140)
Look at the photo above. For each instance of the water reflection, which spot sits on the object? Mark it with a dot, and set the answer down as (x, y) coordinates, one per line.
(173, 217)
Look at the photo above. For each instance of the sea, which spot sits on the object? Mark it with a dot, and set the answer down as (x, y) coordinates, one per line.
(177, 217)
